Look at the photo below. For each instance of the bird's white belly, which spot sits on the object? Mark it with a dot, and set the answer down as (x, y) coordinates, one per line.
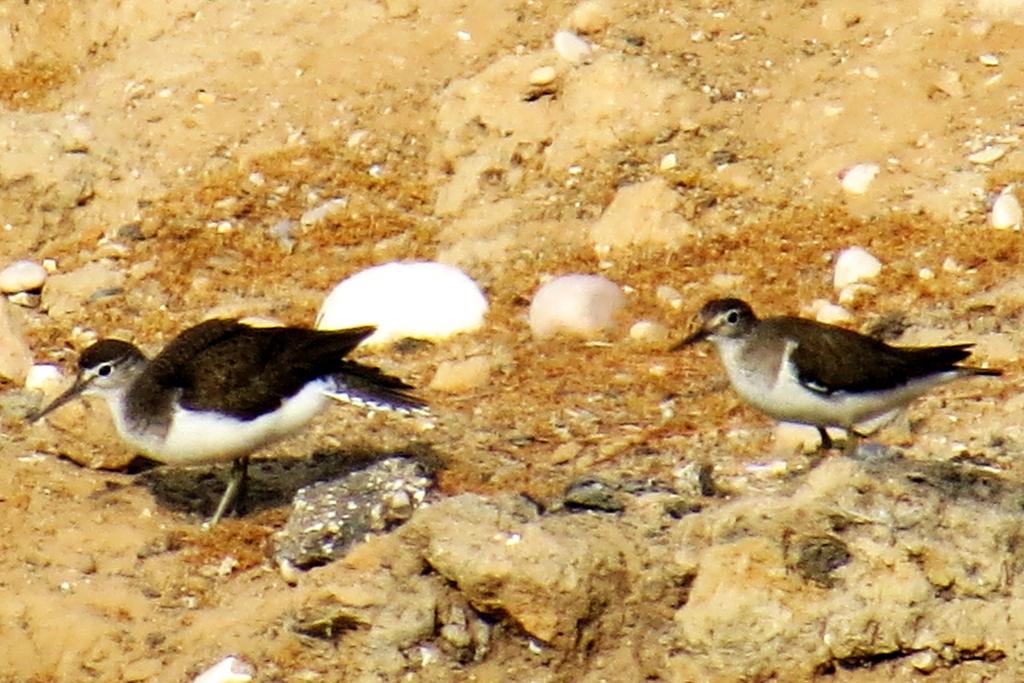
(197, 437)
(784, 398)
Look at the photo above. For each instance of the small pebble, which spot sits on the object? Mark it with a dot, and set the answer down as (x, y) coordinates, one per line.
(856, 179)
(462, 375)
(418, 300)
(989, 59)
(590, 17)
(987, 155)
(1006, 211)
(925, 661)
(205, 97)
(851, 295)
(324, 211)
(832, 314)
(45, 378)
(543, 75)
(669, 296)
(855, 264)
(22, 276)
(649, 332)
(926, 274)
(582, 305)
(668, 162)
(231, 669)
(571, 47)
(25, 299)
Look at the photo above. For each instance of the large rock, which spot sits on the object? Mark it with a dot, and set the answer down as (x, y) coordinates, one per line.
(560, 578)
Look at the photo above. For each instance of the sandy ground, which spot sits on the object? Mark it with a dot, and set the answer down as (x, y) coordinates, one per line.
(163, 140)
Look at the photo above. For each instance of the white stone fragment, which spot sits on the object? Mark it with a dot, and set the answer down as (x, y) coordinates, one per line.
(926, 274)
(855, 264)
(1006, 211)
(987, 155)
(543, 75)
(324, 211)
(422, 300)
(231, 669)
(668, 162)
(989, 59)
(22, 276)
(669, 296)
(851, 295)
(858, 178)
(571, 47)
(44, 378)
(832, 314)
(648, 332)
(583, 305)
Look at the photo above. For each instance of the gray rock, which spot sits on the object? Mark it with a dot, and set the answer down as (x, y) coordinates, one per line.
(330, 516)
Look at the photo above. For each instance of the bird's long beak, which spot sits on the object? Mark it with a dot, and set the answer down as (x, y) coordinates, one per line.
(698, 336)
(74, 392)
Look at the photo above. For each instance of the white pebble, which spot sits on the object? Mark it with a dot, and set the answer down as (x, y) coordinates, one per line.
(543, 75)
(668, 162)
(832, 314)
(648, 331)
(231, 669)
(926, 274)
(669, 296)
(989, 59)
(45, 378)
(22, 276)
(856, 179)
(421, 300)
(571, 47)
(987, 155)
(1006, 212)
(855, 264)
(584, 305)
(851, 295)
(324, 211)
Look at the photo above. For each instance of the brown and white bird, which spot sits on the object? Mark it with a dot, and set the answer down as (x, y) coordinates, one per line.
(223, 389)
(803, 371)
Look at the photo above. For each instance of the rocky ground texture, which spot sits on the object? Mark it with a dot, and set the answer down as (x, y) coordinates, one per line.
(601, 510)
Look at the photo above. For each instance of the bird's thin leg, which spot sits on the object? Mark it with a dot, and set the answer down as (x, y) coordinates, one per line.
(236, 486)
(826, 440)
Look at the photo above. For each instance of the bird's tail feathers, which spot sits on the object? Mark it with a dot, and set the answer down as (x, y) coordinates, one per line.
(369, 387)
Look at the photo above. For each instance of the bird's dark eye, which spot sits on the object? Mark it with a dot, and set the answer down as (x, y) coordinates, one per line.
(104, 370)
(732, 317)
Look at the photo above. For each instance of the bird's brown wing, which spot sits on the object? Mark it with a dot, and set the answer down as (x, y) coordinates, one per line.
(229, 367)
(844, 360)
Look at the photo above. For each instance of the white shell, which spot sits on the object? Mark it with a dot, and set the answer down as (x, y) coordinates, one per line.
(22, 276)
(231, 669)
(855, 264)
(583, 305)
(422, 300)
(571, 47)
(856, 179)
(1006, 212)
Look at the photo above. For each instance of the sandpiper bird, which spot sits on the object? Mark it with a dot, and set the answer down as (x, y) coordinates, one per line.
(799, 370)
(223, 389)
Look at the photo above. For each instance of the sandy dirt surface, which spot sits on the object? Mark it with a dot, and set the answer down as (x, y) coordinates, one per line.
(158, 143)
